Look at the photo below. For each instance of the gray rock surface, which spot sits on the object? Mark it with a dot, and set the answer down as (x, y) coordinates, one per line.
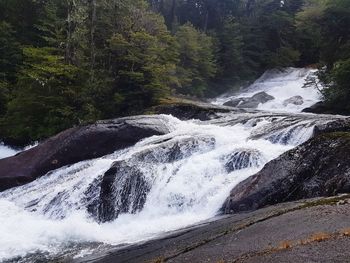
(251, 237)
(194, 110)
(319, 167)
(78, 144)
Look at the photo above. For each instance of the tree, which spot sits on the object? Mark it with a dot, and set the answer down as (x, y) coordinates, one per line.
(230, 53)
(335, 30)
(10, 59)
(144, 61)
(48, 97)
(308, 31)
(197, 61)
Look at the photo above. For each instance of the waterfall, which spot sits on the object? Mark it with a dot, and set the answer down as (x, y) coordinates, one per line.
(161, 184)
(282, 86)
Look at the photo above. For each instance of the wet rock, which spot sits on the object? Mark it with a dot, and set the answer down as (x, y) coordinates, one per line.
(296, 100)
(252, 102)
(124, 187)
(319, 167)
(242, 158)
(78, 144)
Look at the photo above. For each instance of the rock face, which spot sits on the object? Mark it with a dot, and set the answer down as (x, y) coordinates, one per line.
(319, 167)
(252, 102)
(296, 100)
(340, 125)
(78, 144)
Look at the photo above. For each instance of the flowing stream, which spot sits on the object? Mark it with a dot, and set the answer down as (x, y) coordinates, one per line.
(161, 184)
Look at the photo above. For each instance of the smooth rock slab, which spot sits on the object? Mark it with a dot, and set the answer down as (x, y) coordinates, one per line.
(319, 167)
(78, 144)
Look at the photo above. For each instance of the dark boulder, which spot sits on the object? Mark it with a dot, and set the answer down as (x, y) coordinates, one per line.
(319, 108)
(251, 102)
(78, 144)
(319, 167)
(123, 190)
(188, 111)
(323, 108)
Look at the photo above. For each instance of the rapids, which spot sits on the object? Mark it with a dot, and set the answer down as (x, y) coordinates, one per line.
(282, 85)
(161, 184)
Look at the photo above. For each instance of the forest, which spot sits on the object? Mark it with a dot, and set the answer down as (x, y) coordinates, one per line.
(72, 62)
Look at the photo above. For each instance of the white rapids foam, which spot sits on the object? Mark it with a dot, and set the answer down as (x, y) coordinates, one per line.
(50, 214)
(183, 193)
(282, 86)
(6, 151)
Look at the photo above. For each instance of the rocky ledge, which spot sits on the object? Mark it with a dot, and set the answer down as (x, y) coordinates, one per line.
(78, 144)
(319, 167)
(323, 108)
(194, 110)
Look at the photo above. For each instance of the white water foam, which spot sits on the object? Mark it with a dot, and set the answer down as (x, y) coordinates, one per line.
(282, 85)
(183, 193)
(51, 213)
(6, 151)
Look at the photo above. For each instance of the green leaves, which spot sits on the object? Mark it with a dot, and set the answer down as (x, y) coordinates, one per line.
(47, 97)
(197, 61)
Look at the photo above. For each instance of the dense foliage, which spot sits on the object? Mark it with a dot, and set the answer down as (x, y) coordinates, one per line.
(63, 63)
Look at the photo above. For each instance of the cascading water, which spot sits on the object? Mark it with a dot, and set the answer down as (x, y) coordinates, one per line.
(163, 183)
(286, 88)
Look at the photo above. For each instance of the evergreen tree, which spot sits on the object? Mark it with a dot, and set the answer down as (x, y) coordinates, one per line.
(197, 61)
(48, 97)
(10, 59)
